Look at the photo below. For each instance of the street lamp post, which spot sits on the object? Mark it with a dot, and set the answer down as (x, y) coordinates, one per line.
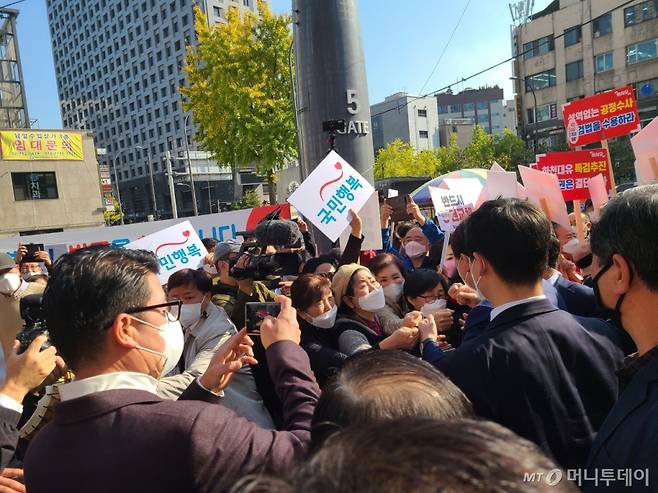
(189, 166)
(148, 158)
(534, 111)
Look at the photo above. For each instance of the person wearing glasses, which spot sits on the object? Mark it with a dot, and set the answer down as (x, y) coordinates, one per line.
(110, 320)
(205, 328)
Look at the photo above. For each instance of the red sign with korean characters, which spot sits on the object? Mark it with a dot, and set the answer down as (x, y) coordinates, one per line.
(574, 169)
(602, 116)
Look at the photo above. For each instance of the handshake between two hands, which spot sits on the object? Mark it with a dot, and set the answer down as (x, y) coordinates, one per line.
(237, 352)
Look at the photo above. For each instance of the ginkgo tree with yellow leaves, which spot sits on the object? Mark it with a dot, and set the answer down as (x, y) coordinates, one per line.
(240, 90)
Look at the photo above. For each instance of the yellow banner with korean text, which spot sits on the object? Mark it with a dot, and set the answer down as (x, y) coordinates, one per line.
(36, 145)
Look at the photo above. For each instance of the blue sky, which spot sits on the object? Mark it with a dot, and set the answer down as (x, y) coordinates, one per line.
(402, 42)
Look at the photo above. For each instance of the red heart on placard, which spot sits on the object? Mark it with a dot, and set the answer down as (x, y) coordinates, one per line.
(186, 234)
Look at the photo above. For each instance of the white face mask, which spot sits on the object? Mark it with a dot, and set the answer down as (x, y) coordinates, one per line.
(476, 287)
(414, 249)
(10, 282)
(172, 334)
(327, 319)
(433, 307)
(373, 301)
(190, 314)
(210, 269)
(393, 291)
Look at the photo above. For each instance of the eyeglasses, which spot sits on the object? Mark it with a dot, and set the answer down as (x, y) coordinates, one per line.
(328, 275)
(172, 309)
(431, 298)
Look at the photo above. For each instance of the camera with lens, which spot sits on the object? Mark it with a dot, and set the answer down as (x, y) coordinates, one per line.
(35, 325)
(254, 263)
(333, 126)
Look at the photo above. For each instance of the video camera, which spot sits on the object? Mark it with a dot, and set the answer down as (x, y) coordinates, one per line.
(35, 325)
(254, 263)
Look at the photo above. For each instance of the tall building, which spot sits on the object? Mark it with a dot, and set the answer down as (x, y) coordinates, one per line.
(614, 50)
(484, 106)
(409, 118)
(13, 104)
(119, 64)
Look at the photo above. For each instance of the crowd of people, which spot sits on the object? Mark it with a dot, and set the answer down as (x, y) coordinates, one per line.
(520, 359)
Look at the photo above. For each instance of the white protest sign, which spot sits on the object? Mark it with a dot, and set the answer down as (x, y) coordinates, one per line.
(501, 184)
(469, 188)
(328, 193)
(544, 191)
(392, 193)
(177, 247)
(370, 225)
(450, 207)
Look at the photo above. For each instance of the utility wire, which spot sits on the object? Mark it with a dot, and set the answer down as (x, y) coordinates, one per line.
(464, 79)
(445, 48)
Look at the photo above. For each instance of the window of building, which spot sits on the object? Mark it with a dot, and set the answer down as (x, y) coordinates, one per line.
(603, 62)
(469, 107)
(455, 108)
(546, 112)
(245, 3)
(444, 109)
(641, 51)
(572, 36)
(423, 134)
(217, 11)
(574, 70)
(538, 47)
(602, 25)
(641, 12)
(539, 81)
(483, 105)
(34, 186)
(483, 118)
(422, 113)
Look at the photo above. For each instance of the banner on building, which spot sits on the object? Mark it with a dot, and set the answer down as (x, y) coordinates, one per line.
(602, 116)
(222, 226)
(34, 145)
(574, 170)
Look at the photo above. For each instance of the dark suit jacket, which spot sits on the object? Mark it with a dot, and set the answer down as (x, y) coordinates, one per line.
(577, 298)
(535, 370)
(629, 435)
(8, 435)
(133, 441)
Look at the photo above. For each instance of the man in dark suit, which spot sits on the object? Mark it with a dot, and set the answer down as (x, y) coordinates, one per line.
(112, 323)
(625, 251)
(533, 369)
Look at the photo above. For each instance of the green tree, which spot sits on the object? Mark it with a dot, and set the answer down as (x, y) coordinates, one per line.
(249, 200)
(240, 90)
(114, 217)
(623, 159)
(399, 158)
(510, 150)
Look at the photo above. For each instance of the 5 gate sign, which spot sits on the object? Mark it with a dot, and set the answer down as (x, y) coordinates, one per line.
(574, 169)
(600, 117)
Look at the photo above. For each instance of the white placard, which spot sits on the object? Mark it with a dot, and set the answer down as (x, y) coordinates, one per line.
(392, 193)
(177, 247)
(327, 194)
(371, 226)
(450, 206)
(501, 184)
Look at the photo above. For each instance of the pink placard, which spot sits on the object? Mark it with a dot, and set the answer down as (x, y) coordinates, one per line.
(543, 190)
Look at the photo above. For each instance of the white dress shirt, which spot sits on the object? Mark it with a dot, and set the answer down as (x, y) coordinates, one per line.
(553, 279)
(500, 309)
(108, 381)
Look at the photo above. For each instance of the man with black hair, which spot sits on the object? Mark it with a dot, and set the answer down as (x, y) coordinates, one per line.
(625, 259)
(533, 369)
(111, 322)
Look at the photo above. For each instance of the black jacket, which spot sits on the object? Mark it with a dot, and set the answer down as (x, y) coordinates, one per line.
(535, 370)
(576, 299)
(321, 345)
(627, 440)
(8, 435)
